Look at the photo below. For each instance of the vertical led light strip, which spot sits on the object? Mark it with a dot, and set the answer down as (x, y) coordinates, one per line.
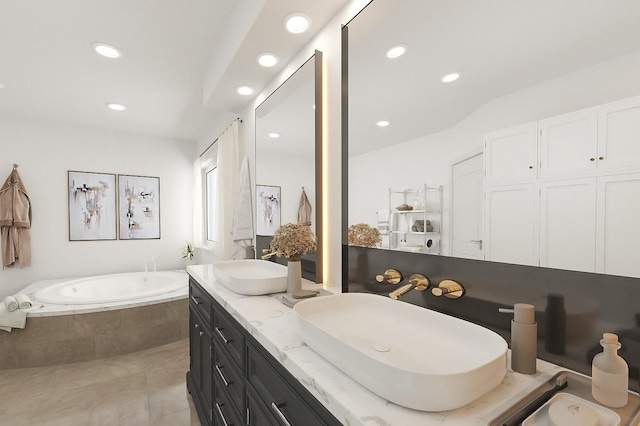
(326, 205)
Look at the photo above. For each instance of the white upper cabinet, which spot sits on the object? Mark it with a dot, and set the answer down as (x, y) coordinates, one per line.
(510, 155)
(619, 136)
(511, 224)
(618, 236)
(569, 144)
(568, 224)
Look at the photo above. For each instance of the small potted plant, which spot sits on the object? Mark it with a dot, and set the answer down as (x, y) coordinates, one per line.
(188, 252)
(292, 241)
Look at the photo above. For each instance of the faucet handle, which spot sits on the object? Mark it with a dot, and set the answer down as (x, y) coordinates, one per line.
(449, 288)
(392, 276)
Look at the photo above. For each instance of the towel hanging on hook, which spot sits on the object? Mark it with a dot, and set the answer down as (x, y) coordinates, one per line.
(304, 209)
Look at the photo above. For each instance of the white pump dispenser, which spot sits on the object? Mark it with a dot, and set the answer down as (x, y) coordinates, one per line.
(610, 374)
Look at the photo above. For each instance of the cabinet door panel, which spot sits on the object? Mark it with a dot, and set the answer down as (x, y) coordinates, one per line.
(511, 155)
(619, 136)
(569, 144)
(511, 231)
(229, 378)
(618, 242)
(568, 224)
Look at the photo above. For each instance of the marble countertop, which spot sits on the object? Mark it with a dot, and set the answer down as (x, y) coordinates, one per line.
(274, 325)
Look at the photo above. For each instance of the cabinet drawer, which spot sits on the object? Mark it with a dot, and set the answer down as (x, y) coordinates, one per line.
(228, 337)
(228, 379)
(224, 412)
(278, 396)
(200, 300)
(257, 414)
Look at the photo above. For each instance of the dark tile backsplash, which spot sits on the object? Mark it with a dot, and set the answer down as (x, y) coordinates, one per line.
(593, 303)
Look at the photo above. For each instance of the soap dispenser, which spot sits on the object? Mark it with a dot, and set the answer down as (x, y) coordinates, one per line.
(610, 374)
(524, 338)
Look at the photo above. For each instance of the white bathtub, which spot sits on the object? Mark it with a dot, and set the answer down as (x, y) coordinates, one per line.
(112, 288)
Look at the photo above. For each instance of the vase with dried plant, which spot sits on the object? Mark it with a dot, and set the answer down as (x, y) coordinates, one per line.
(292, 241)
(365, 236)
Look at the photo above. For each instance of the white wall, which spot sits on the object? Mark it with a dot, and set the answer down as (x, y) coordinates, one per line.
(46, 151)
(429, 159)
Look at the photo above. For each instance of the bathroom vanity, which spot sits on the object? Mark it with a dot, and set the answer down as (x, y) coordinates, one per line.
(249, 366)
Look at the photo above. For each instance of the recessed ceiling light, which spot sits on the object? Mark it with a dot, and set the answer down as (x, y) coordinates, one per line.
(396, 51)
(297, 23)
(382, 123)
(451, 77)
(268, 60)
(274, 135)
(245, 90)
(107, 50)
(116, 107)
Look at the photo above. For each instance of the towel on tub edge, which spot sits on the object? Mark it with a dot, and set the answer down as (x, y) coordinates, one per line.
(11, 303)
(24, 302)
(15, 319)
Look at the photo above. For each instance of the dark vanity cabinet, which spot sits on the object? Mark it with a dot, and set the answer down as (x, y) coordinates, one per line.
(234, 381)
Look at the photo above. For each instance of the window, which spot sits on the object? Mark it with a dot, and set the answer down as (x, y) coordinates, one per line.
(210, 210)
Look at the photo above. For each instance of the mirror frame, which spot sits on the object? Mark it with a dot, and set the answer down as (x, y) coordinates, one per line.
(318, 156)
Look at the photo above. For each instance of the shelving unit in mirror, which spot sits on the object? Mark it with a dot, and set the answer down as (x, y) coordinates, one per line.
(415, 222)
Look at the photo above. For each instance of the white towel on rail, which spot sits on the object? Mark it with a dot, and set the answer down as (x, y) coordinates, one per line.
(242, 225)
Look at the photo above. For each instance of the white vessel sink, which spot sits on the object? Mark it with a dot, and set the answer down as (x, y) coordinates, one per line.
(251, 277)
(406, 354)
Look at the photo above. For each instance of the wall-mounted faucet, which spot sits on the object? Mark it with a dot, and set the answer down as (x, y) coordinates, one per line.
(448, 288)
(416, 281)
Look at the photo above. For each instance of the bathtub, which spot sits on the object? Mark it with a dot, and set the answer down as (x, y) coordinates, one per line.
(90, 318)
(112, 288)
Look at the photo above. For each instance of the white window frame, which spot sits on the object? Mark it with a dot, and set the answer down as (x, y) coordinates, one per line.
(209, 161)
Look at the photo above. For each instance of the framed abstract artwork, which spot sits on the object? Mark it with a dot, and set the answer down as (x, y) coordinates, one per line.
(92, 206)
(268, 205)
(139, 207)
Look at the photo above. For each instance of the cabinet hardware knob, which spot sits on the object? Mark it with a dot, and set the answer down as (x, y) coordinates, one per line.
(280, 415)
(197, 325)
(201, 333)
(531, 167)
(600, 158)
(592, 159)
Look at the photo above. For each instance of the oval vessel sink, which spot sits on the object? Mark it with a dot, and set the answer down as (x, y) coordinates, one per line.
(411, 356)
(251, 277)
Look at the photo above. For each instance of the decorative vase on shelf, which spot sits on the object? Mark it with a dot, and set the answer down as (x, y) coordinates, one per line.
(294, 276)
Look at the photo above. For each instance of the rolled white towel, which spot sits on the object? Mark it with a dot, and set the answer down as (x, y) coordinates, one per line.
(11, 303)
(24, 302)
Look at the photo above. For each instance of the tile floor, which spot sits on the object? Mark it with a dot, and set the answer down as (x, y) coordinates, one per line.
(144, 388)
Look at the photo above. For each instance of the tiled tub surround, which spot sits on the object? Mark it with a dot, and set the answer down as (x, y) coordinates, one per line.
(63, 334)
(274, 326)
(594, 303)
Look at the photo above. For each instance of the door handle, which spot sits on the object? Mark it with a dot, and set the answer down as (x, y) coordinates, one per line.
(477, 242)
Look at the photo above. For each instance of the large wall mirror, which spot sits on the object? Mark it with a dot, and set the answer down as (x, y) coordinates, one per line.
(288, 130)
(446, 101)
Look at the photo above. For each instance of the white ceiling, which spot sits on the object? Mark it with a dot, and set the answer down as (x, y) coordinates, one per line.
(499, 46)
(182, 60)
